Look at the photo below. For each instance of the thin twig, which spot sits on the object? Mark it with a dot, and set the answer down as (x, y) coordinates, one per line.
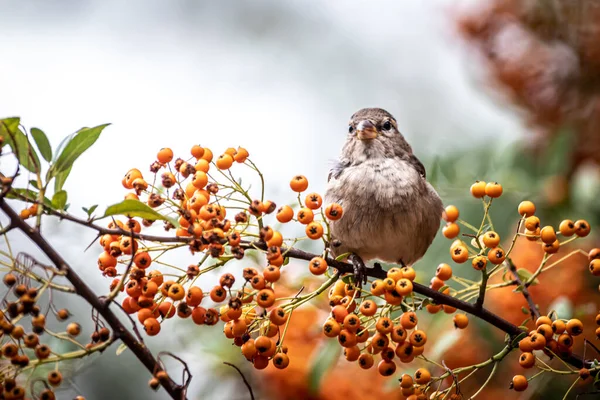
(535, 313)
(243, 377)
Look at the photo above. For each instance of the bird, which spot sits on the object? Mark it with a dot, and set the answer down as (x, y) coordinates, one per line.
(390, 212)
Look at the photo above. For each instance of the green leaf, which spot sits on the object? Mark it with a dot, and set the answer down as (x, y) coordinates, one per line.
(8, 127)
(59, 200)
(441, 290)
(90, 211)
(326, 357)
(524, 310)
(525, 275)
(135, 208)
(79, 143)
(122, 347)
(34, 184)
(19, 144)
(42, 143)
(31, 195)
(61, 178)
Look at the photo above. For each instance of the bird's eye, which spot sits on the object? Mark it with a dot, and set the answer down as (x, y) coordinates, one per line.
(350, 129)
(387, 125)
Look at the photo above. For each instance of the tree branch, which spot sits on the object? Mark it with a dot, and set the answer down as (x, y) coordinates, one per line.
(82, 289)
(535, 313)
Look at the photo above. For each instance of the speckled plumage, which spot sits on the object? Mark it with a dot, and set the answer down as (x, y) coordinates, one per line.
(391, 213)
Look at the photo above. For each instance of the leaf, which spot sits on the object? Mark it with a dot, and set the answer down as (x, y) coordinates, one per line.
(90, 210)
(441, 290)
(524, 310)
(326, 357)
(42, 143)
(31, 195)
(59, 200)
(19, 144)
(525, 275)
(135, 208)
(34, 184)
(61, 178)
(75, 147)
(122, 347)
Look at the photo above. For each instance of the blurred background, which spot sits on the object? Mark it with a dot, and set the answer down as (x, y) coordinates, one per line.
(497, 90)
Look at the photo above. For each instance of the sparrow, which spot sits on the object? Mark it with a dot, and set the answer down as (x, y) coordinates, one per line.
(390, 212)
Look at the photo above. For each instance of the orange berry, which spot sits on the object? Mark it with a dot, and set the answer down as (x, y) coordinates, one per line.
(443, 272)
(532, 223)
(418, 338)
(278, 316)
(491, 239)
(386, 368)
(218, 294)
(200, 180)
(208, 155)
(284, 214)
(574, 327)
(547, 234)
(313, 201)
(241, 155)
(582, 228)
(366, 361)
(272, 273)
(281, 361)
(265, 298)
(165, 155)
(479, 262)
(527, 360)
(526, 208)
(299, 183)
(142, 260)
(225, 161)
(151, 326)
(197, 151)
(176, 292)
(493, 189)
(334, 211)
(478, 189)
(404, 287)
(451, 213)
(459, 254)
(409, 320)
(595, 267)
(202, 165)
(519, 383)
(461, 321)
(314, 230)
(594, 254)
(567, 228)
(409, 273)
(422, 376)
(552, 247)
(317, 266)
(305, 215)
(331, 328)
(451, 230)
(368, 308)
(496, 255)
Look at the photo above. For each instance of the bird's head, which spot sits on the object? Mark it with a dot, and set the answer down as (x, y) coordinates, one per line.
(373, 134)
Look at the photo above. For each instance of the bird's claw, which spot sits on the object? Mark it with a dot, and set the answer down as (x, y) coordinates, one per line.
(359, 270)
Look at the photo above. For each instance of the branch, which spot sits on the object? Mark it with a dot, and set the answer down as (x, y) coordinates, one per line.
(535, 313)
(439, 297)
(83, 290)
(243, 377)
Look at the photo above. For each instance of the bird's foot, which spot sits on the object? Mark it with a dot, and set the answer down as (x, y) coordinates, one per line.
(360, 270)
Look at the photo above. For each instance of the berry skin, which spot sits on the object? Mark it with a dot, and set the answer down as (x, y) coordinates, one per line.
(527, 360)
(368, 308)
(165, 155)
(317, 266)
(451, 213)
(461, 321)
(567, 228)
(478, 189)
(595, 267)
(334, 211)
(299, 183)
(582, 228)
(241, 155)
(493, 189)
(526, 208)
(459, 254)
(451, 230)
(496, 255)
(574, 327)
(552, 247)
(331, 328)
(443, 272)
(404, 287)
(151, 326)
(225, 161)
(548, 235)
(559, 327)
(314, 230)
(532, 223)
(422, 376)
(479, 263)
(197, 151)
(491, 239)
(594, 254)
(366, 361)
(386, 368)
(281, 361)
(313, 201)
(284, 214)
(54, 378)
(418, 338)
(305, 215)
(519, 383)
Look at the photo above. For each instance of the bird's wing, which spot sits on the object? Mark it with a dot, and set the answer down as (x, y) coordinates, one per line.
(337, 169)
(414, 161)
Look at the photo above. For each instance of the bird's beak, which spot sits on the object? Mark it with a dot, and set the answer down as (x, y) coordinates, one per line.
(365, 130)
